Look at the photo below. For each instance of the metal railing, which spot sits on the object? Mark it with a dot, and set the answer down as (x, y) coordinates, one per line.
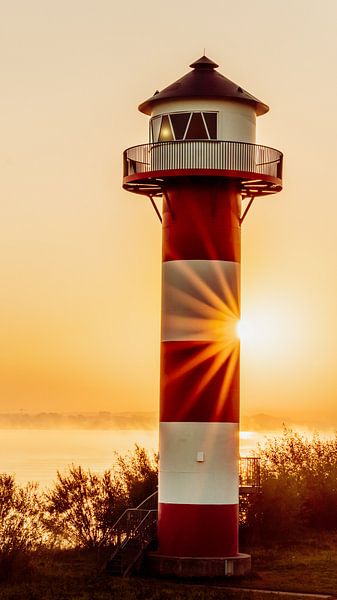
(132, 533)
(150, 503)
(203, 154)
(133, 547)
(249, 472)
(127, 524)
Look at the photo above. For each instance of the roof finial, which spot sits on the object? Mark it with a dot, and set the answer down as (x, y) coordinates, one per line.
(204, 63)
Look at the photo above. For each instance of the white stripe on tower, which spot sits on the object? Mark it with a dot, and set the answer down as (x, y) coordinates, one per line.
(199, 463)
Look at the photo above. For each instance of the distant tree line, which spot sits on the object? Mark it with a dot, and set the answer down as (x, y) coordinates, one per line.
(299, 491)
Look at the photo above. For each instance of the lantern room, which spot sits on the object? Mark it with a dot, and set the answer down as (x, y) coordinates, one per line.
(203, 125)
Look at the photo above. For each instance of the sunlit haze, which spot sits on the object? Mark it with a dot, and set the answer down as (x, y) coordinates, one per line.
(80, 261)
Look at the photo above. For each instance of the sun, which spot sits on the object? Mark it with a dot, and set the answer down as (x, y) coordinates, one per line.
(261, 330)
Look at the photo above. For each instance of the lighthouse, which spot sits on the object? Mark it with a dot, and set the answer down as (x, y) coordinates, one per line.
(203, 163)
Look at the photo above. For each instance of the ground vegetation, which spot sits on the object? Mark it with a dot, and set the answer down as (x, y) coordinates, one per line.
(298, 489)
(52, 541)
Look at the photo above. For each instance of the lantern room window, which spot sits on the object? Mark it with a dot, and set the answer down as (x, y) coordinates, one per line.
(211, 122)
(179, 122)
(196, 129)
(184, 126)
(165, 132)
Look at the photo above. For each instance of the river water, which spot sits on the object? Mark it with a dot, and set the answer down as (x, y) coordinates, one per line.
(37, 454)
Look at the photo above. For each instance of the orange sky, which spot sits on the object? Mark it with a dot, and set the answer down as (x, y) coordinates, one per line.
(80, 258)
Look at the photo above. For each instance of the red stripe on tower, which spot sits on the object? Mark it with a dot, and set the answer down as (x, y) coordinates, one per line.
(202, 529)
(202, 158)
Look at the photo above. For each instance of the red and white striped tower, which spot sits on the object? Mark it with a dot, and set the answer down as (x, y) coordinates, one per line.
(203, 161)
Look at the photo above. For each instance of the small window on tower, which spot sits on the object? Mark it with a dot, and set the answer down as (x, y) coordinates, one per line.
(155, 127)
(165, 134)
(210, 119)
(179, 123)
(196, 129)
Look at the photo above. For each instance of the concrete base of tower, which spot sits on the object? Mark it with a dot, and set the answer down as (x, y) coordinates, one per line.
(175, 566)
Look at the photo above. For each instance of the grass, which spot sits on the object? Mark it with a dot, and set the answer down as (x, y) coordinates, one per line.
(306, 567)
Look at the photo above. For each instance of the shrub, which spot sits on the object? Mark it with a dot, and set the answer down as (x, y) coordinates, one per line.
(299, 488)
(82, 506)
(21, 526)
(138, 474)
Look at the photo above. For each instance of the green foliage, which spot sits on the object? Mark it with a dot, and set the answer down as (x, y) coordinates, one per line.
(299, 488)
(77, 512)
(82, 506)
(138, 473)
(69, 575)
(299, 492)
(21, 526)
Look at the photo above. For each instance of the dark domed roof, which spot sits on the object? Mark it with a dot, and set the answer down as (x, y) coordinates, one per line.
(203, 82)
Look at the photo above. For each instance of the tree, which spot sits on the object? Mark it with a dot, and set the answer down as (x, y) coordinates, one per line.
(21, 526)
(299, 488)
(82, 507)
(138, 474)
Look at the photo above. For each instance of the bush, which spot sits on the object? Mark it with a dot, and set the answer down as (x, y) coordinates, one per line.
(138, 474)
(21, 526)
(299, 488)
(82, 507)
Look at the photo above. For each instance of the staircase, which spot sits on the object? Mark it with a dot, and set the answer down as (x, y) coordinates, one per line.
(132, 534)
(136, 528)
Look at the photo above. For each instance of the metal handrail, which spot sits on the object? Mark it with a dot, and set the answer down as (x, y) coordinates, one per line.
(150, 502)
(143, 535)
(130, 519)
(135, 537)
(249, 472)
(127, 524)
(203, 154)
(141, 529)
